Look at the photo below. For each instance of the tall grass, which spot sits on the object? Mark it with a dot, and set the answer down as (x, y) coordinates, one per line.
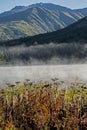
(43, 106)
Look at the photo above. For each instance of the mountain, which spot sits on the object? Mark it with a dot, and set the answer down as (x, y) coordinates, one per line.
(23, 21)
(82, 11)
(16, 9)
(74, 33)
(49, 6)
(65, 46)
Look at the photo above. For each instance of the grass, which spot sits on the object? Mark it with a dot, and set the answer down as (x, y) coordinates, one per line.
(43, 106)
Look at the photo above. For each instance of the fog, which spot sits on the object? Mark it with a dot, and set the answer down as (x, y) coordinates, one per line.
(51, 54)
(65, 61)
(67, 73)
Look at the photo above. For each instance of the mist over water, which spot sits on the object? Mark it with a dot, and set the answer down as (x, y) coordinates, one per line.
(42, 73)
(51, 54)
(43, 62)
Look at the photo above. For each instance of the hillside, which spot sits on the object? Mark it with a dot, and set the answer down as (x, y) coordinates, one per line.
(76, 32)
(22, 21)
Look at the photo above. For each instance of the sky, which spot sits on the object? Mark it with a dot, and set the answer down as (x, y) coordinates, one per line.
(73, 4)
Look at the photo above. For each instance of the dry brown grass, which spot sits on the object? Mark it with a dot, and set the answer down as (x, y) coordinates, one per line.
(43, 106)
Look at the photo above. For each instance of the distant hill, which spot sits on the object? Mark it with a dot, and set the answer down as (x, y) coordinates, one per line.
(76, 32)
(23, 21)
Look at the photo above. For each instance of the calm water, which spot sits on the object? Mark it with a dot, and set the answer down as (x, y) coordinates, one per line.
(38, 73)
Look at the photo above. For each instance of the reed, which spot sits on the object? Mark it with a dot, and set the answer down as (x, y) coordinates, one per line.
(43, 106)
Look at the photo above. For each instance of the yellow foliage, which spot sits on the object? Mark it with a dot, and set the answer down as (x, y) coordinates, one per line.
(10, 126)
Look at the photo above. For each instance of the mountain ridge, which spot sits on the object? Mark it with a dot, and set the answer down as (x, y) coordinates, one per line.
(45, 5)
(36, 19)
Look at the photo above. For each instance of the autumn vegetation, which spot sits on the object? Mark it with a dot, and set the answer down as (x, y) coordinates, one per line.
(43, 106)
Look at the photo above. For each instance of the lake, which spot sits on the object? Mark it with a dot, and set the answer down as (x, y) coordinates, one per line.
(46, 72)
